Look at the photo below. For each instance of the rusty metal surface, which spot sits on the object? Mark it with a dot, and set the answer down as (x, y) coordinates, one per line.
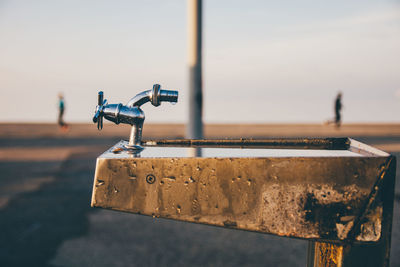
(328, 255)
(367, 255)
(275, 143)
(318, 198)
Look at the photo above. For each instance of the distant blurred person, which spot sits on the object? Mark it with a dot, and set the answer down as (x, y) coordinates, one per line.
(338, 109)
(61, 109)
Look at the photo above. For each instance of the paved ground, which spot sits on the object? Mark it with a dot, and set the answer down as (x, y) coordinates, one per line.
(45, 190)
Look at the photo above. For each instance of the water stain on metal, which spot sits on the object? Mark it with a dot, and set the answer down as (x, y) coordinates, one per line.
(132, 178)
(117, 150)
(99, 183)
(311, 198)
(230, 224)
(171, 178)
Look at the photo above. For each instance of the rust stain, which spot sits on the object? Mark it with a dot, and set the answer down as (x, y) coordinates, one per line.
(371, 210)
(310, 211)
(301, 197)
(328, 255)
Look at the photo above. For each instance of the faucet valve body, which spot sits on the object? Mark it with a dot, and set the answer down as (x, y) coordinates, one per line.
(131, 113)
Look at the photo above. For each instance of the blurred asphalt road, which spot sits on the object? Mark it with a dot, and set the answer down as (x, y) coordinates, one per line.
(46, 219)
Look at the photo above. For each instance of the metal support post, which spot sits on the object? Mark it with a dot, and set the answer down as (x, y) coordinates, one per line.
(195, 123)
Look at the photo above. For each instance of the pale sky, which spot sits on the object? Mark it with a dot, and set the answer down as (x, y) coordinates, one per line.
(264, 61)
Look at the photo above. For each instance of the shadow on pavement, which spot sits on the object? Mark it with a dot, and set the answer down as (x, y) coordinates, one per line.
(56, 219)
(34, 224)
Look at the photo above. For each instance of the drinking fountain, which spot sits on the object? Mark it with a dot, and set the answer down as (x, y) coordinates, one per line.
(336, 193)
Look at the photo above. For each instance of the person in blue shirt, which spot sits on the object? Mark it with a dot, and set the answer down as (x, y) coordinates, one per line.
(61, 108)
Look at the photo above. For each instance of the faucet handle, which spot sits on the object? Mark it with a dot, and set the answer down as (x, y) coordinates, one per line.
(98, 116)
(100, 98)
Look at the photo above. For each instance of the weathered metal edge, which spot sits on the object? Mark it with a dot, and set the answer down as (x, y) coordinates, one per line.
(342, 143)
(364, 149)
(231, 226)
(370, 201)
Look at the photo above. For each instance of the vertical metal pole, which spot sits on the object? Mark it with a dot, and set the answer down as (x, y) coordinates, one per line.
(195, 123)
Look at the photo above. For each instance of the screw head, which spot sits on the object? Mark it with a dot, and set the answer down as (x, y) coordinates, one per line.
(150, 179)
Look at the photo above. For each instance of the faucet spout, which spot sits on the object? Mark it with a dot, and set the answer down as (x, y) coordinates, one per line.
(155, 96)
(140, 99)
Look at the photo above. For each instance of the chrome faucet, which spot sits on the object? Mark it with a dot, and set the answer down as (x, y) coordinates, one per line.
(132, 114)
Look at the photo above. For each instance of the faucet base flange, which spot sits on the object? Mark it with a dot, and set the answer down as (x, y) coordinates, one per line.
(134, 148)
